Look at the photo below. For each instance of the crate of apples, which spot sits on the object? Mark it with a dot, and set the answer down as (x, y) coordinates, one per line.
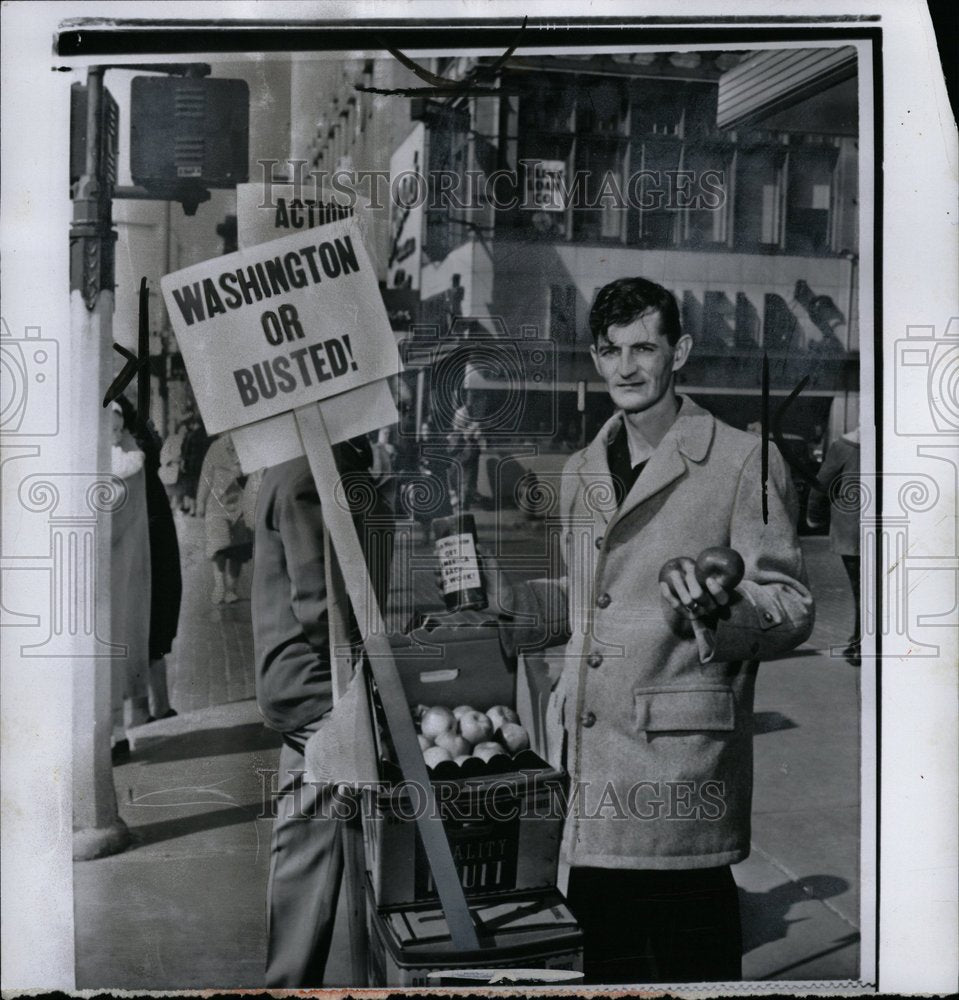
(466, 733)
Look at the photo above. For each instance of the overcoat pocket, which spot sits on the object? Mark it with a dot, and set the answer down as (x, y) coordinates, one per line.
(702, 708)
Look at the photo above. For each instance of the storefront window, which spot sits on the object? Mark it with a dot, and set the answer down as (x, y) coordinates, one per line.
(654, 217)
(758, 210)
(809, 200)
(705, 193)
(599, 168)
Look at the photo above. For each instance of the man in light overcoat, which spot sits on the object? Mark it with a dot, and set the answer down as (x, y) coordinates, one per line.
(653, 713)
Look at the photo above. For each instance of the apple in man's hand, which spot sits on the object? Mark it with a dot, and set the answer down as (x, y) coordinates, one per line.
(723, 564)
(684, 593)
(677, 565)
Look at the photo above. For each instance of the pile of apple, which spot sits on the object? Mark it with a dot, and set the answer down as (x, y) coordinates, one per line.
(466, 732)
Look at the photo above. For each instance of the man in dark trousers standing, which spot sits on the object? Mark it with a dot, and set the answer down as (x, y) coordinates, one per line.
(294, 692)
(653, 713)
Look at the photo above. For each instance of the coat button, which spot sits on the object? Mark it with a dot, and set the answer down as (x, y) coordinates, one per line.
(588, 719)
(599, 541)
(604, 601)
(768, 616)
(594, 660)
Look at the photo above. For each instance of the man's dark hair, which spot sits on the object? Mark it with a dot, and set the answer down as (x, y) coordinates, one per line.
(626, 299)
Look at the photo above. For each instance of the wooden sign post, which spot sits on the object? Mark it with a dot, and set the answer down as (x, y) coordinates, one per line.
(280, 327)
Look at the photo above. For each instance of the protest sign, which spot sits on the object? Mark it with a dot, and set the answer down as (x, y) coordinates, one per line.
(268, 212)
(280, 325)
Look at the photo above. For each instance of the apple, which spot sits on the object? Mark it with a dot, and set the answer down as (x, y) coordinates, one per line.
(463, 758)
(475, 727)
(455, 744)
(424, 741)
(499, 714)
(722, 562)
(673, 566)
(436, 755)
(462, 710)
(486, 751)
(514, 737)
(418, 712)
(437, 720)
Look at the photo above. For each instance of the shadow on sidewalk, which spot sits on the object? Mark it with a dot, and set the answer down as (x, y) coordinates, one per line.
(183, 826)
(246, 738)
(771, 722)
(764, 914)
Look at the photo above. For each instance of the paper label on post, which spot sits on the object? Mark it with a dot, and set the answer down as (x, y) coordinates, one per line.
(459, 567)
(280, 325)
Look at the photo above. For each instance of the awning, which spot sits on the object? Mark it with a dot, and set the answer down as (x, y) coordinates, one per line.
(777, 79)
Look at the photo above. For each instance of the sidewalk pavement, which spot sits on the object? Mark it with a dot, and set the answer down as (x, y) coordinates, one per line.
(184, 907)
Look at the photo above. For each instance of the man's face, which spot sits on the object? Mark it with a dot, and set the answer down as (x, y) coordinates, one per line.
(637, 361)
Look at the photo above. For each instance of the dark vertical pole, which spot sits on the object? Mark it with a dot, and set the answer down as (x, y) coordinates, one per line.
(91, 234)
(143, 356)
(765, 433)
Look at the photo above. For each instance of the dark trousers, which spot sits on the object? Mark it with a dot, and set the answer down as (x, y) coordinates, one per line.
(851, 563)
(306, 871)
(657, 926)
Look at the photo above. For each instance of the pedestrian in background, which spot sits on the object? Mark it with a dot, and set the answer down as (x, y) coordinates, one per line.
(839, 499)
(219, 501)
(465, 442)
(194, 448)
(171, 465)
(129, 589)
(166, 582)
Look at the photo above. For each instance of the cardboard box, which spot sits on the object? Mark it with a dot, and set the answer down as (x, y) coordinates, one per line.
(503, 817)
(504, 832)
(455, 659)
(412, 947)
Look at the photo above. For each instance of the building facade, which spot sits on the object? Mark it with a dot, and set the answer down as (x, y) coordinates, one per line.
(583, 169)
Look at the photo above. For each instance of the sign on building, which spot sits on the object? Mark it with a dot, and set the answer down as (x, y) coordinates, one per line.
(408, 196)
(548, 184)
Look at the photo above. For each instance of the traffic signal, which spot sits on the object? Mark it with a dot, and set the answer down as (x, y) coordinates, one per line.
(188, 134)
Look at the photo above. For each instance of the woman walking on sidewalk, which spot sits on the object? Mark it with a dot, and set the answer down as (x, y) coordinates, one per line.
(166, 582)
(130, 589)
(229, 542)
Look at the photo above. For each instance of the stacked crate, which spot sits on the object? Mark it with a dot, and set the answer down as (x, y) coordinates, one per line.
(503, 819)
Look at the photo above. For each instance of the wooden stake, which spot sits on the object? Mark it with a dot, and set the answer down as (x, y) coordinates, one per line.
(339, 523)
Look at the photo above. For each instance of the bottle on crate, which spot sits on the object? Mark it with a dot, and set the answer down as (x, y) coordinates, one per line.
(459, 564)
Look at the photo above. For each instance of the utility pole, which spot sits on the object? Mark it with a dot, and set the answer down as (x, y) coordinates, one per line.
(98, 828)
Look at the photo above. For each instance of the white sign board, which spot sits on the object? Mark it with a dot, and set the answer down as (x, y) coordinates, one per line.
(267, 214)
(280, 325)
